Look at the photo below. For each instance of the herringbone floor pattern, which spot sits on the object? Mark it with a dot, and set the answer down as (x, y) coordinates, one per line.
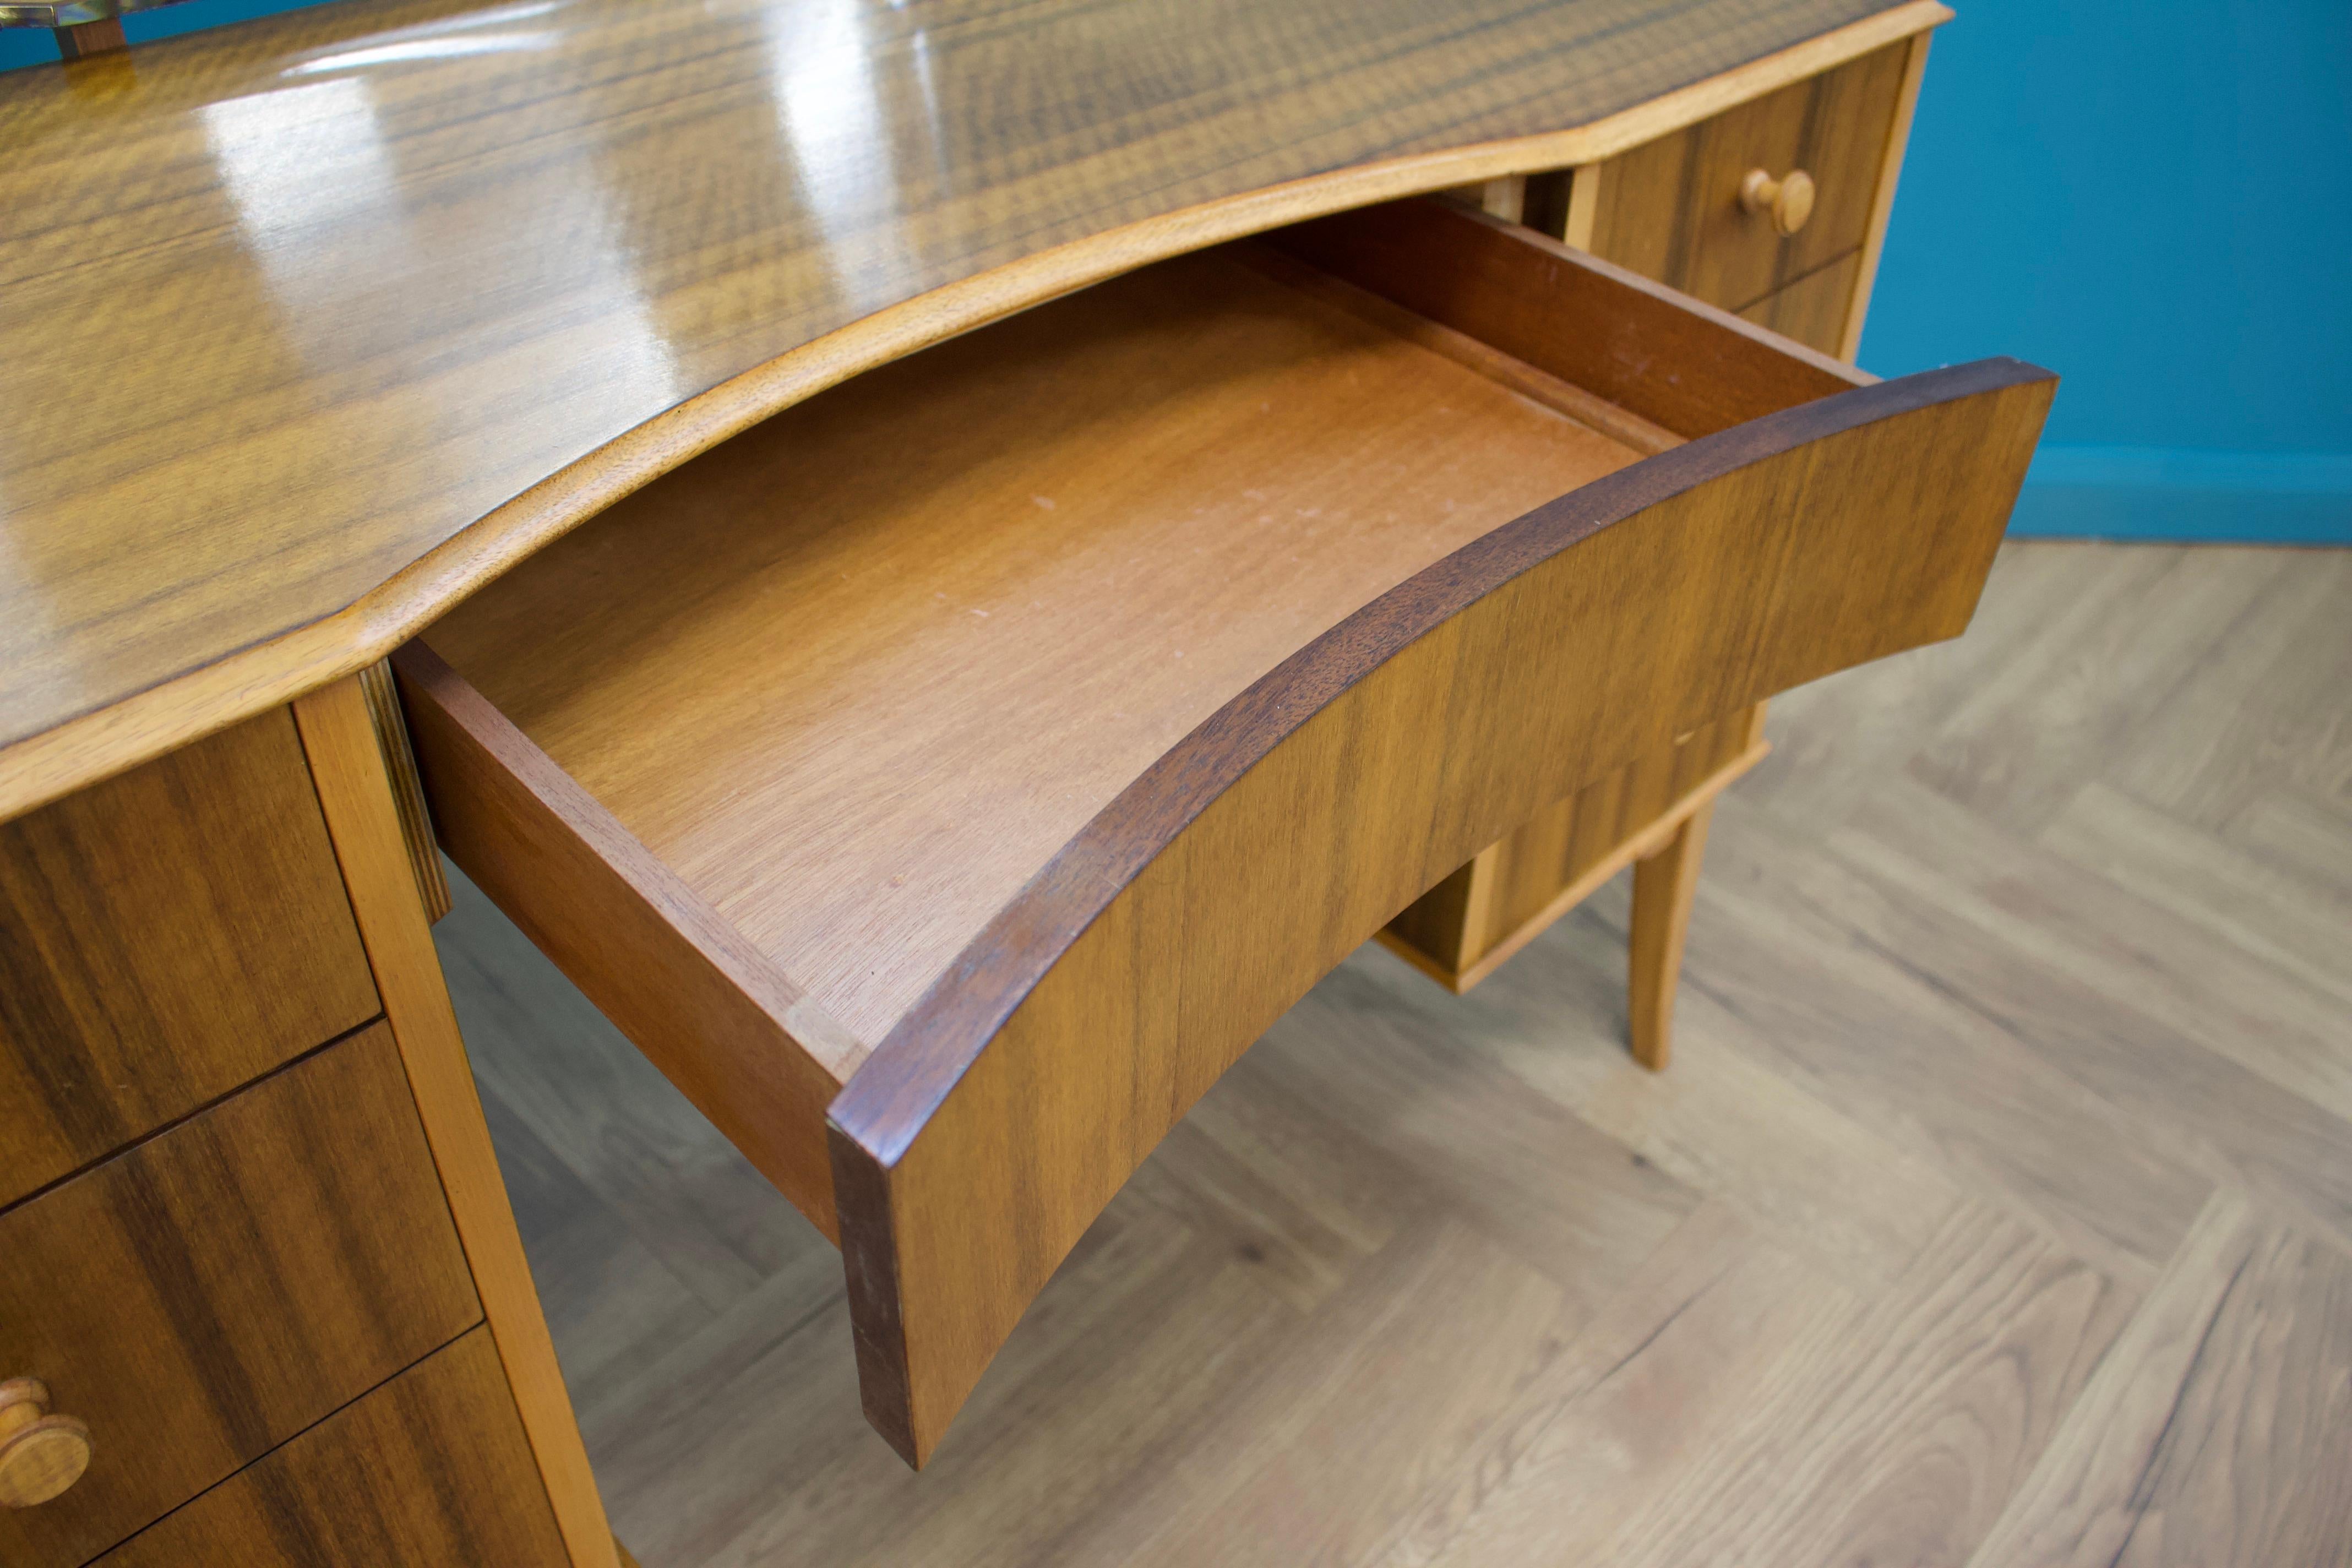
(1997, 1210)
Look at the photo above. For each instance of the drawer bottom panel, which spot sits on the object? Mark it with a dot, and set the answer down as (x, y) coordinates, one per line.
(432, 1467)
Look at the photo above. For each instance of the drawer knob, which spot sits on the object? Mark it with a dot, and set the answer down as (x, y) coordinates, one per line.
(1789, 201)
(40, 1455)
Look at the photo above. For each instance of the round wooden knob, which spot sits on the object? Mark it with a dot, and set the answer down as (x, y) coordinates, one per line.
(1789, 201)
(40, 1455)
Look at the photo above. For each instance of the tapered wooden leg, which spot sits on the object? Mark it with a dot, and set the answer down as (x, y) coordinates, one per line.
(1664, 885)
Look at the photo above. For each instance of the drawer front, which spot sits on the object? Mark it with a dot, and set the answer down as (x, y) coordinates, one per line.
(1813, 309)
(431, 1468)
(207, 1294)
(164, 937)
(1671, 209)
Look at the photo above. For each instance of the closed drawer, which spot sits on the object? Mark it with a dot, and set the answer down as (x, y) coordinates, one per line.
(945, 780)
(164, 937)
(1469, 924)
(432, 1469)
(1813, 309)
(209, 1294)
(1671, 209)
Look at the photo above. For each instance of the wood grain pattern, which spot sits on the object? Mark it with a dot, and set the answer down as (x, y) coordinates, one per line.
(214, 1290)
(1985, 1298)
(2220, 1428)
(1465, 928)
(1252, 1344)
(164, 937)
(685, 717)
(323, 408)
(1671, 210)
(1470, 924)
(407, 792)
(1172, 481)
(84, 40)
(1815, 308)
(1554, 392)
(1585, 321)
(713, 1011)
(347, 762)
(1665, 882)
(994, 1123)
(1881, 205)
(433, 1468)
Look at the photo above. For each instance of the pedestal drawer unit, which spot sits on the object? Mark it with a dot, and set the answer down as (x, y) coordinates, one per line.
(1716, 210)
(946, 780)
(212, 1292)
(433, 1468)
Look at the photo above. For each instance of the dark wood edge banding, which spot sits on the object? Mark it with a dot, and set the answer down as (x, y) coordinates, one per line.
(911, 1071)
(869, 1260)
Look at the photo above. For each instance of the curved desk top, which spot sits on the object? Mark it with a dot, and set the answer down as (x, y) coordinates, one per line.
(310, 326)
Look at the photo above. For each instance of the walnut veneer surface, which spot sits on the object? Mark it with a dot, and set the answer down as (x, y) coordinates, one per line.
(317, 295)
(213, 1291)
(164, 937)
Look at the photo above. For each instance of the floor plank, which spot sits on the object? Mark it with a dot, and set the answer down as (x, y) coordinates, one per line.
(1897, 1431)
(2219, 1429)
(1631, 1409)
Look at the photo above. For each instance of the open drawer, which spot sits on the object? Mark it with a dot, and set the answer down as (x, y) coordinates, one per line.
(946, 780)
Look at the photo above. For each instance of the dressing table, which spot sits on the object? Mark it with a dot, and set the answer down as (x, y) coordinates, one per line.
(945, 562)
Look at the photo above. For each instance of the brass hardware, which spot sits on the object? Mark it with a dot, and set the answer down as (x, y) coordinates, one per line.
(40, 1455)
(1788, 200)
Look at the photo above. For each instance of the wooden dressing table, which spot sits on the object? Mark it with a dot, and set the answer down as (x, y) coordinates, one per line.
(945, 564)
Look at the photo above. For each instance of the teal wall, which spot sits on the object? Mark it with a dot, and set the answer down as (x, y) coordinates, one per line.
(2152, 199)
(31, 45)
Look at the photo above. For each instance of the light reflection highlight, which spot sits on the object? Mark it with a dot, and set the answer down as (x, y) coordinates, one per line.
(424, 49)
(829, 109)
(299, 157)
(446, 38)
(346, 244)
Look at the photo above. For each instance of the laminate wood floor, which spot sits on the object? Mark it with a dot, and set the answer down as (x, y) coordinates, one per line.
(1997, 1209)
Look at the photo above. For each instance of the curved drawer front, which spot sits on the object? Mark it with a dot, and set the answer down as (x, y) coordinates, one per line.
(1002, 1116)
(1011, 735)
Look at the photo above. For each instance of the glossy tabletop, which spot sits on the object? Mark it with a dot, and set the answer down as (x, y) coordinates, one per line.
(309, 325)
